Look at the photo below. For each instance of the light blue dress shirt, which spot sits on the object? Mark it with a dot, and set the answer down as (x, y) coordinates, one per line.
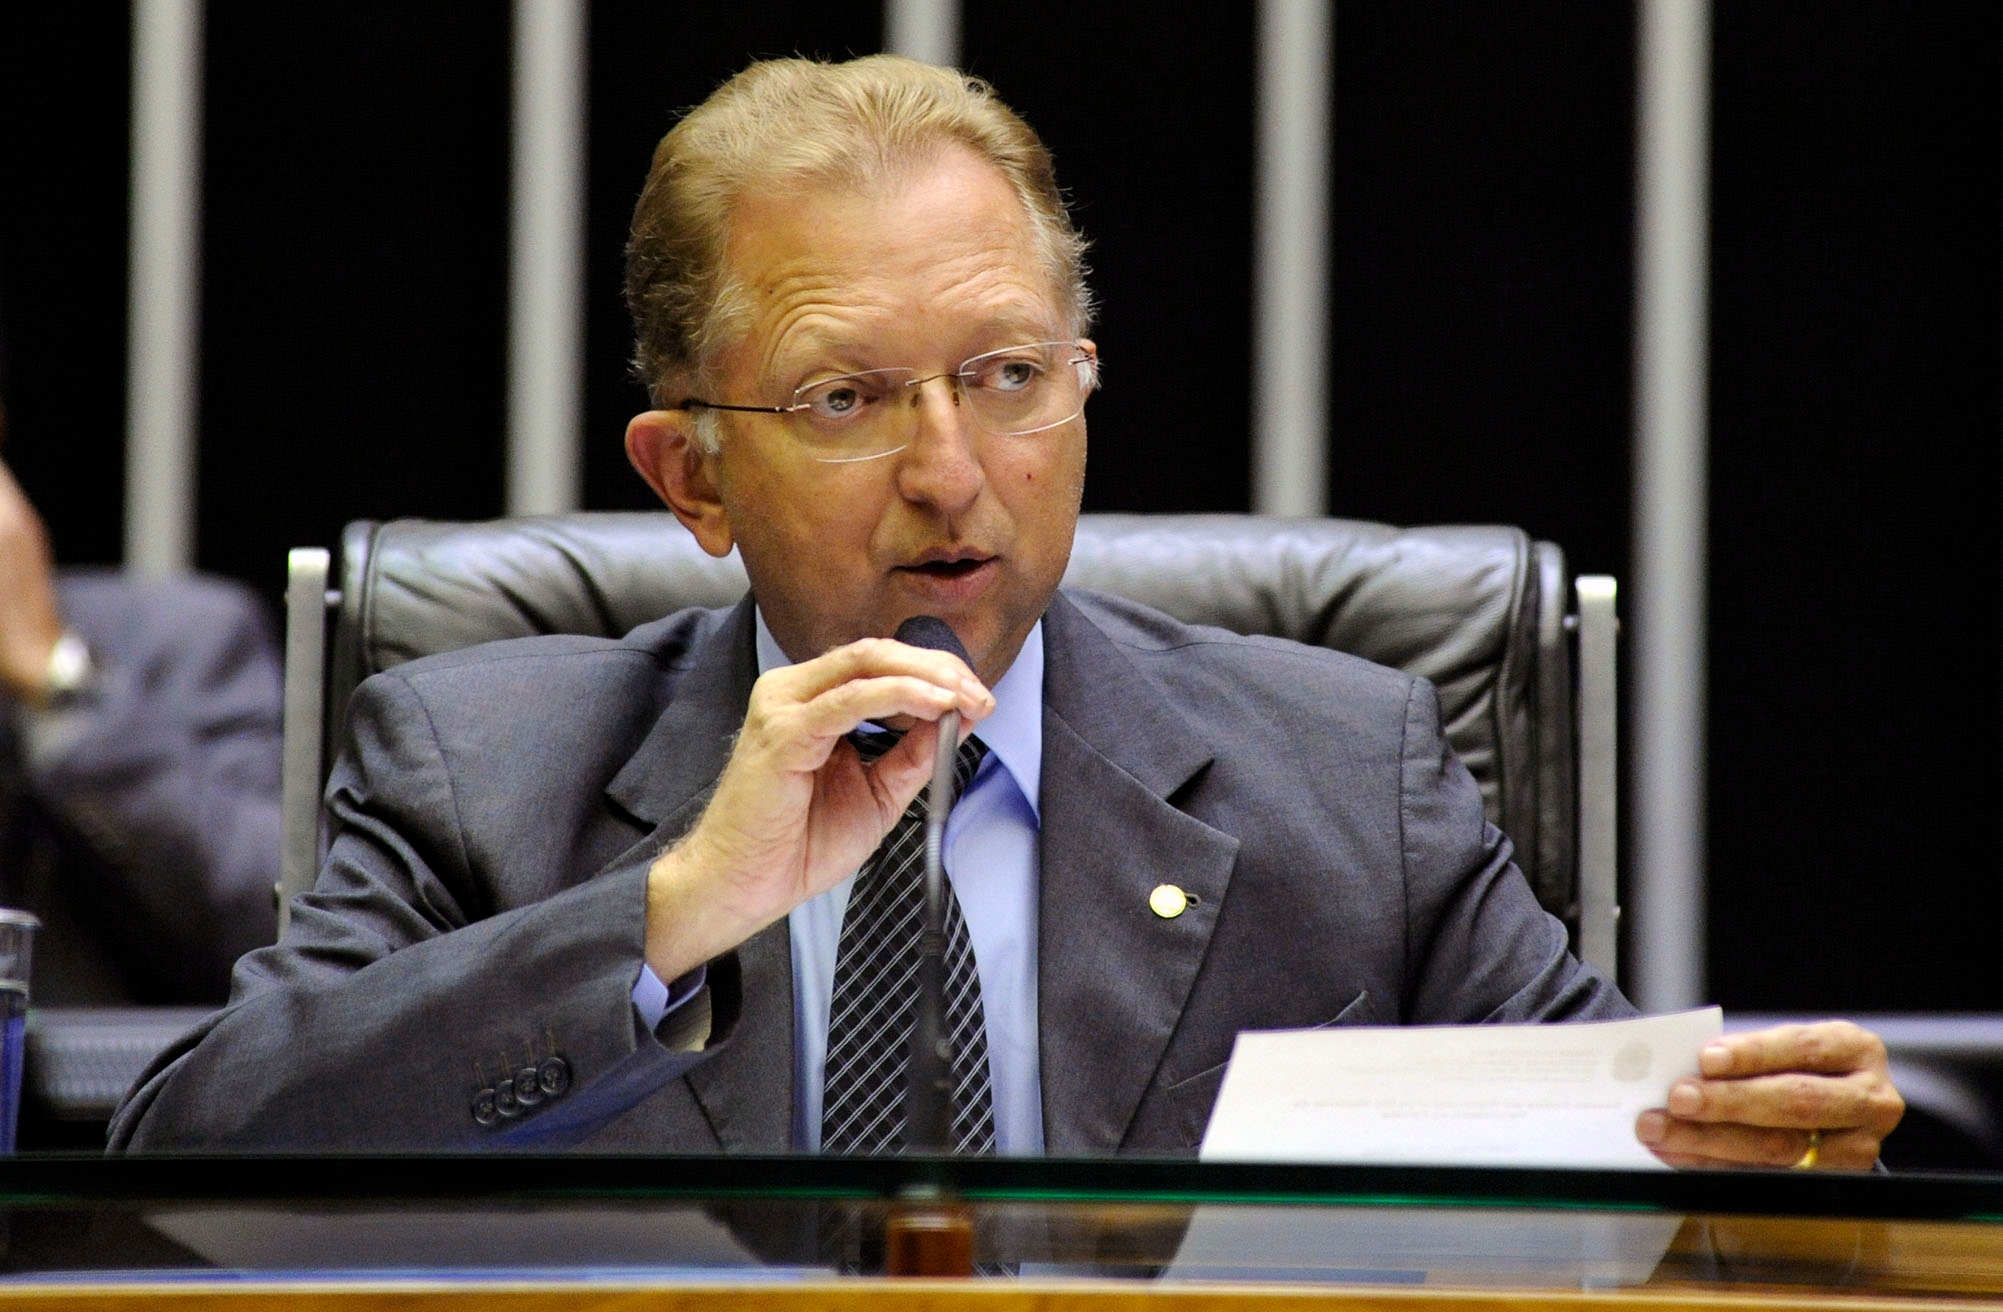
(991, 856)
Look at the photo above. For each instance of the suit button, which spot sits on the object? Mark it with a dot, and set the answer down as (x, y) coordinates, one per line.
(553, 1076)
(528, 1087)
(484, 1110)
(504, 1098)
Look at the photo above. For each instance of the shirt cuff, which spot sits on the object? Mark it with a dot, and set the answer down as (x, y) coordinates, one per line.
(655, 1001)
(49, 734)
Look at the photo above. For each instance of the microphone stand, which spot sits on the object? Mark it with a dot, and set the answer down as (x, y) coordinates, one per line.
(928, 1097)
(927, 1233)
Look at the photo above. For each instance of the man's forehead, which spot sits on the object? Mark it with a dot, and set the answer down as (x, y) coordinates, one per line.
(863, 218)
(951, 250)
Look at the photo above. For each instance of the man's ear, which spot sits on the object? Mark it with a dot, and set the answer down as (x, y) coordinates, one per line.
(662, 445)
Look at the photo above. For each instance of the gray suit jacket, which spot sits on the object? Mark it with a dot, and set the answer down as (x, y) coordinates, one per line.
(483, 904)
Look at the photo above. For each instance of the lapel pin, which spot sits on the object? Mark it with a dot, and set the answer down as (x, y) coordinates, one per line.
(1167, 901)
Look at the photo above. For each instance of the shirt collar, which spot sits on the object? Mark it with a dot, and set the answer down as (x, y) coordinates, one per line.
(1014, 733)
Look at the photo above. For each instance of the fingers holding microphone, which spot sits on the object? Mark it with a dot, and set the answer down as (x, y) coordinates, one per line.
(796, 809)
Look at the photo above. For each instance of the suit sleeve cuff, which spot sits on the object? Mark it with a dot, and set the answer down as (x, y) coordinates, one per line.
(655, 1001)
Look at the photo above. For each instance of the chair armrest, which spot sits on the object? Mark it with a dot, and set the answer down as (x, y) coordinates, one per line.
(306, 603)
(1598, 717)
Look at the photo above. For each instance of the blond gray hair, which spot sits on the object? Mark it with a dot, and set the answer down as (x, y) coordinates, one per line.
(804, 123)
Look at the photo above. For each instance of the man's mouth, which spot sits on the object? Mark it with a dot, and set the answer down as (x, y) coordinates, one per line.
(950, 569)
(948, 563)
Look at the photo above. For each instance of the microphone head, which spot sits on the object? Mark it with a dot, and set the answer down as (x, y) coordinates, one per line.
(934, 633)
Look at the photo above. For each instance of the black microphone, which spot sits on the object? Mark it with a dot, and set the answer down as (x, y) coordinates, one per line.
(928, 1092)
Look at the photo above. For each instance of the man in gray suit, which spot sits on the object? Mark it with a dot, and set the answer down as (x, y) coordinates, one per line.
(606, 893)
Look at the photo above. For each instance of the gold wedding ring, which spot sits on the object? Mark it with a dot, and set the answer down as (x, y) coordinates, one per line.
(1809, 1158)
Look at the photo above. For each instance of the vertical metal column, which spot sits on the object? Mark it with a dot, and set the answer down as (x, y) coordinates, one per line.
(1290, 258)
(162, 344)
(1670, 460)
(546, 258)
(927, 30)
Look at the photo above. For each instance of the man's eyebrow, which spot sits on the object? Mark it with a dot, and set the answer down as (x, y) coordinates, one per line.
(808, 349)
(795, 362)
(812, 349)
(1024, 325)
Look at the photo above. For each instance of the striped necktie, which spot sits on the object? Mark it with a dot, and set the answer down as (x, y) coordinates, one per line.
(876, 991)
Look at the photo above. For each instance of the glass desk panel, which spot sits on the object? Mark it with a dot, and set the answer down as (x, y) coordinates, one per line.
(1167, 1231)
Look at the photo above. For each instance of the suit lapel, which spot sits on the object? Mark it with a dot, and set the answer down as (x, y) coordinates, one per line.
(1112, 976)
(746, 1089)
(665, 783)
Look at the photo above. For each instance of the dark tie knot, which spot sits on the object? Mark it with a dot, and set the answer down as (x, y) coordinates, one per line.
(870, 744)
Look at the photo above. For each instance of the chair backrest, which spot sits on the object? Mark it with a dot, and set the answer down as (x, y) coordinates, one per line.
(1480, 611)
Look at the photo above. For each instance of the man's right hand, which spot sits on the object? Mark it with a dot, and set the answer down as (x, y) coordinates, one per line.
(30, 624)
(795, 810)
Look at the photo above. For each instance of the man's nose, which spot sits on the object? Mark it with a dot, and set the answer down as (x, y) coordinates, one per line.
(942, 464)
(954, 390)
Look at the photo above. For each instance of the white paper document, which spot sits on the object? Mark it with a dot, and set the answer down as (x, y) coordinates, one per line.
(1454, 1095)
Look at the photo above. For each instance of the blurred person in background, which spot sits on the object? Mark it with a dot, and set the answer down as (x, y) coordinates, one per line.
(140, 735)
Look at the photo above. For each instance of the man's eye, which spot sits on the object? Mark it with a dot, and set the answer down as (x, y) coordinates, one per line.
(838, 399)
(1009, 375)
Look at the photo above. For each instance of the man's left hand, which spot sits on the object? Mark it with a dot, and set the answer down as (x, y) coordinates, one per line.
(1768, 1097)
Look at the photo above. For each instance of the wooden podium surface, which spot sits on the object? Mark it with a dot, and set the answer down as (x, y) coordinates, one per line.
(583, 1234)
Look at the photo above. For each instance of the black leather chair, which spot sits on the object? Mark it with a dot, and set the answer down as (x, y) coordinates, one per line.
(1481, 611)
(1523, 657)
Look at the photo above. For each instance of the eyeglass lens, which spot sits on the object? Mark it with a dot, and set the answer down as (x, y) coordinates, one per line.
(1012, 392)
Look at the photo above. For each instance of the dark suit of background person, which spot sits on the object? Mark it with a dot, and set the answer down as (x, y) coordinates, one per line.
(139, 819)
(489, 870)
(520, 829)
(139, 772)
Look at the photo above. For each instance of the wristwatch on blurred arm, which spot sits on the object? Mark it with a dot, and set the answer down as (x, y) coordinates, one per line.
(71, 672)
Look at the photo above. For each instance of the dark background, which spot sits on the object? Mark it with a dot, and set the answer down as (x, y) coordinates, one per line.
(354, 298)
